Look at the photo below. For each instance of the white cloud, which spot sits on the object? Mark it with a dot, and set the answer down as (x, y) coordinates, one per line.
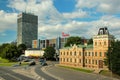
(86, 3)
(109, 6)
(43, 8)
(104, 6)
(7, 21)
(3, 34)
(19, 5)
(76, 14)
(86, 29)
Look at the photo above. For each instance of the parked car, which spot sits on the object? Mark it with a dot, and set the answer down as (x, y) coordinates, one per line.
(44, 64)
(32, 63)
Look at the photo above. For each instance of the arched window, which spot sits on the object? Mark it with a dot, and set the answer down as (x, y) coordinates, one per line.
(95, 43)
(80, 53)
(75, 53)
(67, 53)
(71, 53)
(104, 42)
(100, 53)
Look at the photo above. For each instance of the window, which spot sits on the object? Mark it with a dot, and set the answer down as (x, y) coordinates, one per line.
(75, 60)
(85, 53)
(64, 53)
(104, 54)
(67, 53)
(100, 53)
(85, 60)
(71, 53)
(75, 53)
(89, 53)
(95, 53)
(80, 53)
(89, 61)
(80, 60)
(70, 59)
(95, 43)
(92, 53)
(61, 59)
(92, 61)
(67, 60)
(96, 62)
(104, 42)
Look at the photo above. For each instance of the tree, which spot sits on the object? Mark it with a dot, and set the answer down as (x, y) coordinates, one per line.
(10, 52)
(90, 41)
(21, 49)
(2, 48)
(73, 40)
(49, 53)
(113, 57)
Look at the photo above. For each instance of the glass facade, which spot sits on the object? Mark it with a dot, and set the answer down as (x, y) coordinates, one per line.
(27, 29)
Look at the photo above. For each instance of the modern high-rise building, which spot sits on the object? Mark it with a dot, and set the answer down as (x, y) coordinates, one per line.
(27, 29)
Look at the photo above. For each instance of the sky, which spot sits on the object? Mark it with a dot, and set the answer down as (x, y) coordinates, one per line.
(76, 17)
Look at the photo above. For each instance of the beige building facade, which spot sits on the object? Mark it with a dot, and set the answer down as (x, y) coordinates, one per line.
(88, 56)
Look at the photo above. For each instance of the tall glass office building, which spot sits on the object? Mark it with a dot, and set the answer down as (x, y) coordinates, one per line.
(27, 29)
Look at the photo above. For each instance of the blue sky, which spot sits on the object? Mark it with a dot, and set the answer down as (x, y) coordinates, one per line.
(76, 17)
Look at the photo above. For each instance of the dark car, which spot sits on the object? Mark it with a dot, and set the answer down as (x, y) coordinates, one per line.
(32, 63)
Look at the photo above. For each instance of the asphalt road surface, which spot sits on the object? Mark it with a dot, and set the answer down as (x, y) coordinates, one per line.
(68, 74)
(7, 74)
(42, 74)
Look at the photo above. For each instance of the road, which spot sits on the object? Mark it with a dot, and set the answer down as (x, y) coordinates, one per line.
(7, 74)
(68, 74)
(53, 72)
(42, 74)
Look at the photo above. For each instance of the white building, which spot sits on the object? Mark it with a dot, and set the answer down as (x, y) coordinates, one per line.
(34, 53)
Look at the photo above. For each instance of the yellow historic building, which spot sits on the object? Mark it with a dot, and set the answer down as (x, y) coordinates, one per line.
(88, 56)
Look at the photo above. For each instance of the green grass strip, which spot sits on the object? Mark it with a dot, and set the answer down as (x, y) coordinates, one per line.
(78, 69)
(8, 64)
(13, 63)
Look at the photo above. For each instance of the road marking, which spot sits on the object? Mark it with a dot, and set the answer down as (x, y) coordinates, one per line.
(14, 76)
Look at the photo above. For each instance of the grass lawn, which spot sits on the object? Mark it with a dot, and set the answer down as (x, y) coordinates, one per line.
(77, 69)
(5, 62)
(13, 63)
(8, 64)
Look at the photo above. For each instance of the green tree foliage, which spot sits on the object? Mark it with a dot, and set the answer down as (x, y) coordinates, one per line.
(21, 48)
(113, 57)
(49, 53)
(10, 52)
(2, 47)
(73, 40)
(90, 41)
